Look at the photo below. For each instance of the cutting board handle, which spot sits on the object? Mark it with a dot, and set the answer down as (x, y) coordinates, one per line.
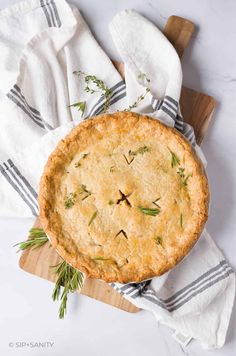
(179, 32)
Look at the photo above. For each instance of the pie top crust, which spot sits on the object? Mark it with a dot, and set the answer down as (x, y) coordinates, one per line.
(123, 197)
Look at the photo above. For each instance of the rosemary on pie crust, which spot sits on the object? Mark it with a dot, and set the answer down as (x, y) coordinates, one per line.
(123, 197)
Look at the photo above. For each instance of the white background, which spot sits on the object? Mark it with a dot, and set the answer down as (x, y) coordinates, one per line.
(27, 313)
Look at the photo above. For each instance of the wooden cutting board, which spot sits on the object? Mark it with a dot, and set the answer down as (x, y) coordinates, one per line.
(197, 109)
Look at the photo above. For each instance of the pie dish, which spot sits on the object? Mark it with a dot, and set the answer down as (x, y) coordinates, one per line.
(123, 197)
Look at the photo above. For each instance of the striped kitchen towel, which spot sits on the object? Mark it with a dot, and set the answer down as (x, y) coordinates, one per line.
(196, 297)
(37, 88)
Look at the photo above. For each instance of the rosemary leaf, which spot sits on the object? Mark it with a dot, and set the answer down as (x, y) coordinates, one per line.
(98, 258)
(184, 178)
(140, 150)
(80, 106)
(111, 202)
(70, 200)
(158, 240)
(181, 220)
(180, 172)
(149, 211)
(174, 159)
(37, 238)
(92, 218)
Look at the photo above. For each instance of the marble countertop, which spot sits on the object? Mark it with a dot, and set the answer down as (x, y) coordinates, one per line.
(93, 328)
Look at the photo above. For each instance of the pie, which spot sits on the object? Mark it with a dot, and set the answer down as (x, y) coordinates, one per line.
(123, 197)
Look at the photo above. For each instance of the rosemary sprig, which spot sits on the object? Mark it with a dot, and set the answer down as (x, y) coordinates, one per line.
(37, 238)
(174, 159)
(140, 150)
(70, 200)
(185, 181)
(80, 106)
(158, 240)
(92, 218)
(149, 211)
(98, 258)
(69, 278)
(183, 176)
(95, 85)
(181, 173)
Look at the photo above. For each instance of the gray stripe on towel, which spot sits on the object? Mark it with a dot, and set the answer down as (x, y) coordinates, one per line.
(16, 188)
(56, 13)
(115, 99)
(45, 10)
(115, 89)
(222, 276)
(18, 98)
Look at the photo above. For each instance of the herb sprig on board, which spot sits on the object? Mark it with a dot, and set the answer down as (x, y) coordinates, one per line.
(68, 277)
(37, 238)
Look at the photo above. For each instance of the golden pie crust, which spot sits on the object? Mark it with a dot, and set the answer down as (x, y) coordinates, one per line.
(123, 197)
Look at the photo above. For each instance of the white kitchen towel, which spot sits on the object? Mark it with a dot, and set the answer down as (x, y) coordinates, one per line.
(37, 87)
(196, 297)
